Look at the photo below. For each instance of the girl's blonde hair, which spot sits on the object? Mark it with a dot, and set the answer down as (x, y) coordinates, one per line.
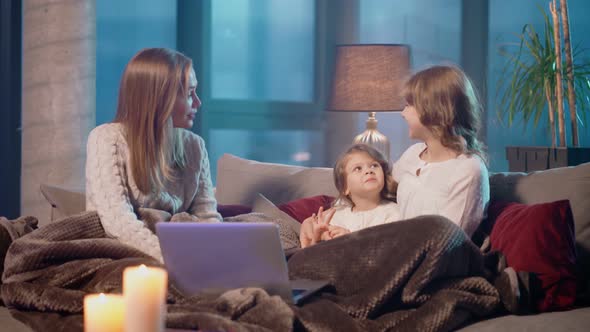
(390, 186)
(447, 104)
(151, 82)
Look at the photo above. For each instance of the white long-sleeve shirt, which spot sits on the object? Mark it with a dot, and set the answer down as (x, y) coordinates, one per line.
(457, 188)
(112, 192)
(354, 221)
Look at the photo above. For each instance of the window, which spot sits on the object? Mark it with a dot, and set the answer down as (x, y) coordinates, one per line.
(434, 34)
(295, 146)
(259, 81)
(262, 50)
(122, 29)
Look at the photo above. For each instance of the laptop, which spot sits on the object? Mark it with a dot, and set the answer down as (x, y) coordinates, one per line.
(214, 257)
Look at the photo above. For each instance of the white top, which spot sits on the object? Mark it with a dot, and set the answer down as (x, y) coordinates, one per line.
(112, 192)
(385, 212)
(457, 188)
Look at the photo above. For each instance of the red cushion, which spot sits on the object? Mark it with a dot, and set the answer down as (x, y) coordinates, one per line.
(230, 210)
(539, 238)
(300, 209)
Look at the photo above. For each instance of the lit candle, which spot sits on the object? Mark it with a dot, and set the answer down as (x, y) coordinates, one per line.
(103, 313)
(144, 289)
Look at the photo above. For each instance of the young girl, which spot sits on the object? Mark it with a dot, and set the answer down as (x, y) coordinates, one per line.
(146, 158)
(362, 177)
(445, 174)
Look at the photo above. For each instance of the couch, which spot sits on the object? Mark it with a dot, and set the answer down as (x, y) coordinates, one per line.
(264, 186)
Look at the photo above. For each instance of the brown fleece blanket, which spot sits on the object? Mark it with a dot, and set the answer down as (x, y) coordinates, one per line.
(419, 275)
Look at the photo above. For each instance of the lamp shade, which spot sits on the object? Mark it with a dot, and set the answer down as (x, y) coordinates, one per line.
(369, 78)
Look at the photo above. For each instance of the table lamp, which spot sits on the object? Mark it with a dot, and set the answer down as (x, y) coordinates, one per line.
(370, 78)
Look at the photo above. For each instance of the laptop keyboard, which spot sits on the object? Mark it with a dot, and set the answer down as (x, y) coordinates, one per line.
(296, 292)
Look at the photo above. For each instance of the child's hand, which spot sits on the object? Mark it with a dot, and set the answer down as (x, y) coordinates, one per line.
(314, 227)
(312, 231)
(336, 231)
(325, 217)
(326, 235)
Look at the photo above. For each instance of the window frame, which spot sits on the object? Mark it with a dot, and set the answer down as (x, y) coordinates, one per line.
(194, 39)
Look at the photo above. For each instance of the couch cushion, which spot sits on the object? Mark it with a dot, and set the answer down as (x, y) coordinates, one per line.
(9, 323)
(539, 238)
(240, 180)
(571, 183)
(576, 320)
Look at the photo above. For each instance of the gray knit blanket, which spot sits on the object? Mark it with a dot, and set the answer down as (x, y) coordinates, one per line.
(416, 275)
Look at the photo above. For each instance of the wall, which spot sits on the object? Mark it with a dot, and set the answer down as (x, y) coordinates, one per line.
(58, 93)
(506, 19)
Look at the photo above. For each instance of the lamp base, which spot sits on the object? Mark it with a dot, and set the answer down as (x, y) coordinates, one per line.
(371, 136)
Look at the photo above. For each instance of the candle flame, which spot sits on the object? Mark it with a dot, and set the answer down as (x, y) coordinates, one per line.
(101, 297)
(143, 268)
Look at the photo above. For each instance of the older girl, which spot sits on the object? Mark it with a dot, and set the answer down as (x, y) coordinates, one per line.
(445, 174)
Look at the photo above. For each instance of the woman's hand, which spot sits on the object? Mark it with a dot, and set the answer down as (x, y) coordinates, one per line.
(314, 227)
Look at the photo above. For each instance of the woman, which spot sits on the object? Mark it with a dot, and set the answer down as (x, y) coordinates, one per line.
(146, 158)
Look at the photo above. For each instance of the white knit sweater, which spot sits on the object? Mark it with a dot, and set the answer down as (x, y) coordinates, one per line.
(112, 192)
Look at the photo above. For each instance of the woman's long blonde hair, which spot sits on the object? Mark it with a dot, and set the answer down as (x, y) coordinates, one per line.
(152, 81)
(447, 104)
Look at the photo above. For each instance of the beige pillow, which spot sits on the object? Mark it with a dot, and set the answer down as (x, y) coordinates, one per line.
(239, 180)
(64, 201)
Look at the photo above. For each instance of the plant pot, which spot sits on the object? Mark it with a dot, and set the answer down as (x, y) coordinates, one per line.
(537, 158)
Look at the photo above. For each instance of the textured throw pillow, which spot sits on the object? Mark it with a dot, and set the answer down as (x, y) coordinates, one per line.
(539, 238)
(288, 227)
(300, 209)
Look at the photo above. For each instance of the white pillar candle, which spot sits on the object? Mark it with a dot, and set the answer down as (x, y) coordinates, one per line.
(104, 313)
(144, 289)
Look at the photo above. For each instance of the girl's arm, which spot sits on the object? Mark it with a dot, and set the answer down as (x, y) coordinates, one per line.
(204, 204)
(468, 196)
(106, 192)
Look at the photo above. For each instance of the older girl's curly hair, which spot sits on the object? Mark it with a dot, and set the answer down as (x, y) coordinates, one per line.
(447, 104)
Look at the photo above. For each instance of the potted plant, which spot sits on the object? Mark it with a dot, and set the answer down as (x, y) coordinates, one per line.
(542, 76)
